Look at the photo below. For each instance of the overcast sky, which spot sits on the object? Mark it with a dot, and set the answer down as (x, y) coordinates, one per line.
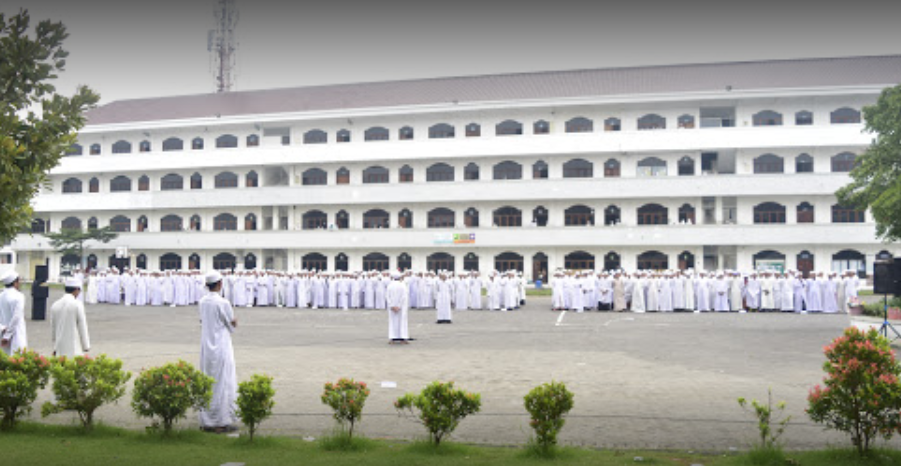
(129, 49)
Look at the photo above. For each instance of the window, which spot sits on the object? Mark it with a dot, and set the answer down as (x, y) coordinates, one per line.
(315, 261)
(844, 115)
(508, 128)
(342, 176)
(376, 134)
(579, 260)
(92, 223)
(94, 185)
(405, 134)
(176, 144)
(686, 122)
(541, 127)
(286, 139)
(315, 136)
(95, 149)
(120, 224)
(226, 180)
(842, 214)
(687, 214)
(805, 213)
(767, 118)
(441, 218)
(72, 186)
(197, 144)
(849, 259)
(651, 166)
(579, 215)
(375, 261)
(142, 224)
(578, 168)
(508, 217)
(342, 220)
(769, 212)
(144, 146)
(612, 215)
(803, 118)
(405, 174)
(226, 141)
(439, 172)
(508, 171)
(71, 223)
(612, 261)
(38, 226)
(196, 181)
(194, 262)
(375, 175)
(405, 219)
(508, 261)
(473, 130)
(471, 172)
(471, 262)
(314, 220)
(652, 214)
(686, 166)
(252, 180)
(144, 183)
(440, 261)
(250, 222)
(539, 170)
(579, 125)
(612, 124)
(843, 162)
(343, 136)
(250, 262)
(74, 149)
(171, 223)
(804, 164)
(471, 218)
(122, 147)
(224, 261)
(170, 261)
(539, 216)
(611, 169)
(120, 184)
(225, 222)
(651, 122)
(253, 140)
(376, 218)
(314, 177)
(443, 131)
(195, 224)
(653, 260)
(768, 163)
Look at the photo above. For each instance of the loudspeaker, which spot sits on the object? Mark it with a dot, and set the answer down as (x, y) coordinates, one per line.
(884, 278)
(41, 273)
(39, 293)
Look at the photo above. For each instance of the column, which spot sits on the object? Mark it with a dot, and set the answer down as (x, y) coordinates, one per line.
(527, 265)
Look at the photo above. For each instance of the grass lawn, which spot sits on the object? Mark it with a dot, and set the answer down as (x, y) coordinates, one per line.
(537, 292)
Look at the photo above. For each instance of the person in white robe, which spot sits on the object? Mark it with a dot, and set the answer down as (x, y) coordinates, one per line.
(461, 292)
(736, 290)
(814, 294)
(702, 293)
(495, 293)
(475, 286)
(511, 292)
(291, 282)
(652, 295)
(412, 282)
(799, 295)
(752, 292)
(381, 288)
(332, 301)
(558, 303)
(688, 290)
(830, 294)
(851, 285)
(68, 326)
(13, 334)
(369, 286)
(101, 287)
(217, 357)
(576, 294)
(767, 301)
(397, 302)
(156, 289)
(720, 294)
(678, 290)
(130, 286)
(113, 288)
(91, 293)
(444, 296)
(787, 293)
(264, 298)
(619, 292)
(281, 286)
(141, 289)
(605, 293)
(343, 291)
(664, 294)
(639, 293)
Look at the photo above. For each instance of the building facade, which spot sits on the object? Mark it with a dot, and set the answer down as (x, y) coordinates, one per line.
(719, 166)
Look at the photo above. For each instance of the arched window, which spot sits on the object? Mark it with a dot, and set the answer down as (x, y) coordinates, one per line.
(375, 261)
(687, 214)
(376, 134)
(612, 261)
(653, 214)
(72, 186)
(804, 164)
(441, 131)
(539, 170)
(541, 127)
(653, 260)
(803, 118)
(686, 260)
(405, 174)
(473, 130)
(142, 224)
(92, 262)
(686, 122)
(884, 256)
(769, 163)
(579, 260)
(508, 171)
(92, 223)
(74, 149)
(342, 220)
(38, 226)
(651, 166)
(508, 217)
(252, 140)
(71, 223)
(441, 218)
(375, 175)
(95, 149)
(471, 262)
(439, 172)
(471, 172)
(342, 176)
(508, 261)
(769, 260)
(767, 118)
(471, 218)
(612, 124)
(226, 141)
(225, 222)
(539, 216)
(226, 180)
(94, 185)
(611, 168)
(769, 212)
(144, 183)
(508, 128)
(120, 224)
(175, 144)
(122, 147)
(341, 262)
(376, 218)
(120, 184)
(843, 162)
(252, 180)
(440, 261)
(805, 213)
(579, 125)
(196, 181)
(342, 136)
(842, 214)
(849, 259)
(144, 146)
(315, 261)
(195, 223)
(250, 262)
(171, 223)
(686, 166)
(224, 261)
(579, 215)
(844, 115)
(315, 220)
(612, 215)
(141, 262)
(651, 121)
(197, 143)
(405, 219)
(578, 168)
(314, 177)
(315, 136)
(170, 261)
(405, 134)
(250, 222)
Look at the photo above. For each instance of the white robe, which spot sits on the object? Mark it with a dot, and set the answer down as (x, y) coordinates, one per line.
(444, 296)
(664, 295)
(12, 310)
(702, 294)
(639, 303)
(736, 284)
(721, 295)
(475, 293)
(396, 300)
(68, 327)
(830, 296)
(787, 295)
(688, 291)
(217, 360)
(461, 294)
(752, 293)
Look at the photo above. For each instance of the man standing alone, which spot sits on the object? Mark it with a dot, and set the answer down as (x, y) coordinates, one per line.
(217, 357)
(68, 326)
(12, 310)
(396, 297)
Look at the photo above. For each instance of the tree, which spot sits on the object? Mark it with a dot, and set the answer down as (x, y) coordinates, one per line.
(876, 178)
(71, 241)
(36, 124)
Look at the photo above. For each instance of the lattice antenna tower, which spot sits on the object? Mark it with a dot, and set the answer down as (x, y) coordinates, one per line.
(222, 45)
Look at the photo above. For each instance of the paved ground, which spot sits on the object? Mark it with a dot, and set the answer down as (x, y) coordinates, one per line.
(640, 380)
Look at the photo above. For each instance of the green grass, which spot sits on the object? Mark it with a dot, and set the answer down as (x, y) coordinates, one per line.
(834, 457)
(537, 292)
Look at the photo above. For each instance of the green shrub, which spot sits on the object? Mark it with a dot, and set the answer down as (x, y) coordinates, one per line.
(862, 396)
(548, 404)
(83, 384)
(764, 413)
(255, 401)
(166, 393)
(440, 408)
(21, 376)
(346, 398)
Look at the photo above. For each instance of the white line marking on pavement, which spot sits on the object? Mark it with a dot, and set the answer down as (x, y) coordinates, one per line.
(625, 319)
(560, 319)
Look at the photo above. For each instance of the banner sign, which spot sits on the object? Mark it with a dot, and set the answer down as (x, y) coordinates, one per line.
(455, 238)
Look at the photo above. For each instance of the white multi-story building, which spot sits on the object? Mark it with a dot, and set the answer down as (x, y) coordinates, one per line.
(712, 166)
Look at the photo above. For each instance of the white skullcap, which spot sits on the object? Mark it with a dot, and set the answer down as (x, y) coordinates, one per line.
(72, 282)
(10, 277)
(213, 277)
(395, 275)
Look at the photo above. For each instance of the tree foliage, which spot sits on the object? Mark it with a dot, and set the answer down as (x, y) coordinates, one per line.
(255, 401)
(439, 407)
(83, 384)
(37, 125)
(876, 179)
(547, 405)
(71, 241)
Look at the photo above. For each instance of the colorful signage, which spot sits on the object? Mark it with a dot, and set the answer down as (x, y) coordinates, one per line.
(455, 238)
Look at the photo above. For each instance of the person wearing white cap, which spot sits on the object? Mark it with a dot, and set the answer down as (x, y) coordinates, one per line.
(68, 325)
(396, 298)
(444, 298)
(12, 315)
(217, 357)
